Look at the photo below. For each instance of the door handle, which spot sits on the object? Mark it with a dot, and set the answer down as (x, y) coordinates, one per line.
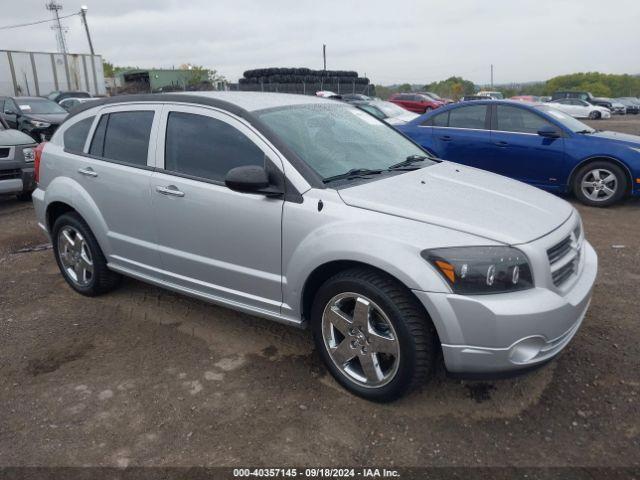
(170, 190)
(501, 143)
(87, 172)
(446, 138)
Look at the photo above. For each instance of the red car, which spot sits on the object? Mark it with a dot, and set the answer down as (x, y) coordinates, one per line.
(415, 102)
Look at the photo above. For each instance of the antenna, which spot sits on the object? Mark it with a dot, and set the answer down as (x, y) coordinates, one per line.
(60, 30)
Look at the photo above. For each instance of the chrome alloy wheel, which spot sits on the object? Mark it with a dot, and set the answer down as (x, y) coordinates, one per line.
(599, 184)
(360, 339)
(75, 256)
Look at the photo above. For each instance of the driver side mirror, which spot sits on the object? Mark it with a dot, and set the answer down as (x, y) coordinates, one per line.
(549, 132)
(251, 179)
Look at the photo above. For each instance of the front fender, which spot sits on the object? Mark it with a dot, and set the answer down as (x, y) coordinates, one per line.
(343, 233)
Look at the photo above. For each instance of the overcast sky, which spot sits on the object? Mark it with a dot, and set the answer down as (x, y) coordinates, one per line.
(415, 41)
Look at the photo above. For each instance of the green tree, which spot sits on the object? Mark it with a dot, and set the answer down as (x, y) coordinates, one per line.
(452, 87)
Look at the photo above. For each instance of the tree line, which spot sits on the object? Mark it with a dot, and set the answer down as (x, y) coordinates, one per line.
(599, 84)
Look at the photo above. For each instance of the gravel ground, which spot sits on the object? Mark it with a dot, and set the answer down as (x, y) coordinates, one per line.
(143, 376)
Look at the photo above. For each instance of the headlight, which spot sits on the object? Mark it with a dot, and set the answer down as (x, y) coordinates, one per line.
(29, 154)
(482, 270)
(38, 124)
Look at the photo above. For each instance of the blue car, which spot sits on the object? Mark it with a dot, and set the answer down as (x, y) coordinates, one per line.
(535, 144)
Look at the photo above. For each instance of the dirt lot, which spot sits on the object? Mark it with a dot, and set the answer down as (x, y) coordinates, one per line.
(143, 376)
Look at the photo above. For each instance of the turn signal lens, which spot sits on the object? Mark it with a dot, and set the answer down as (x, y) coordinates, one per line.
(447, 269)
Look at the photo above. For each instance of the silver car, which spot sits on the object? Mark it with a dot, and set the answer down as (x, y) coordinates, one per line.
(312, 212)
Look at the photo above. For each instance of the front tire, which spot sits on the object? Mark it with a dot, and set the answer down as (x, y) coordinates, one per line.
(595, 115)
(80, 258)
(600, 184)
(373, 335)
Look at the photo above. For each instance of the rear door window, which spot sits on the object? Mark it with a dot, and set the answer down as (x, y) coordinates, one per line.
(472, 116)
(76, 135)
(205, 147)
(123, 137)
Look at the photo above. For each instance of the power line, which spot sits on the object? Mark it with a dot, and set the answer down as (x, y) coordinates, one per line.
(7, 27)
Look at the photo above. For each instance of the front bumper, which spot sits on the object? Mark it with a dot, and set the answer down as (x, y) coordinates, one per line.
(17, 181)
(507, 332)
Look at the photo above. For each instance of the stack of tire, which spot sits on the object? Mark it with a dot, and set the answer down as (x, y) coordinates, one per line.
(293, 79)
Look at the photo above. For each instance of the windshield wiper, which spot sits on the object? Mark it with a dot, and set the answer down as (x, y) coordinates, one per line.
(353, 173)
(586, 131)
(411, 159)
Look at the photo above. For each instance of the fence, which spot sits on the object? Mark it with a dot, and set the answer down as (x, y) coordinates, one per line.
(305, 88)
(39, 73)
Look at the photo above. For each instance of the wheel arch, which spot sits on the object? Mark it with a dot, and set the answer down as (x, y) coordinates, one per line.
(55, 210)
(602, 158)
(63, 195)
(325, 271)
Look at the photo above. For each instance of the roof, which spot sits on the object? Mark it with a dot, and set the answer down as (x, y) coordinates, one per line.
(252, 101)
(246, 101)
(22, 97)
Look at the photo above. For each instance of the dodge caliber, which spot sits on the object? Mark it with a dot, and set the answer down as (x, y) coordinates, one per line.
(311, 212)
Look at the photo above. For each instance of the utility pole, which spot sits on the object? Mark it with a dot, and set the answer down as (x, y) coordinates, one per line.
(60, 30)
(324, 56)
(83, 12)
(492, 76)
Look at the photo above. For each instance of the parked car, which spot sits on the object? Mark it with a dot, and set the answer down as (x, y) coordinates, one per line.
(616, 107)
(16, 162)
(493, 94)
(631, 104)
(415, 102)
(582, 95)
(310, 212)
(58, 95)
(69, 103)
(536, 144)
(468, 98)
(438, 98)
(37, 117)
(387, 111)
(526, 98)
(580, 108)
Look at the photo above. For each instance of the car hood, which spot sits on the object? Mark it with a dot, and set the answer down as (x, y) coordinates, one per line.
(626, 138)
(10, 138)
(55, 118)
(464, 199)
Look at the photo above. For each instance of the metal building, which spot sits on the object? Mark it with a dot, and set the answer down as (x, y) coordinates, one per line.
(39, 73)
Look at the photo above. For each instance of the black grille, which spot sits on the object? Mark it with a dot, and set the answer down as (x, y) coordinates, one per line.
(10, 174)
(564, 272)
(4, 152)
(558, 251)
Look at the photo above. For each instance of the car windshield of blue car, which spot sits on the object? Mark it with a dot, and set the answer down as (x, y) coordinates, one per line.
(334, 139)
(566, 120)
(39, 106)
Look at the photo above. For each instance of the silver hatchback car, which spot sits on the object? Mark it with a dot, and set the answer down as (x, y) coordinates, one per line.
(312, 212)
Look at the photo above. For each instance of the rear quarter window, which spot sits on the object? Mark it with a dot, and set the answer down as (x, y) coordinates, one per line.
(76, 135)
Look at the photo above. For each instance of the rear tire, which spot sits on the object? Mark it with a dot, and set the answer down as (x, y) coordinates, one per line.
(80, 258)
(600, 184)
(389, 343)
